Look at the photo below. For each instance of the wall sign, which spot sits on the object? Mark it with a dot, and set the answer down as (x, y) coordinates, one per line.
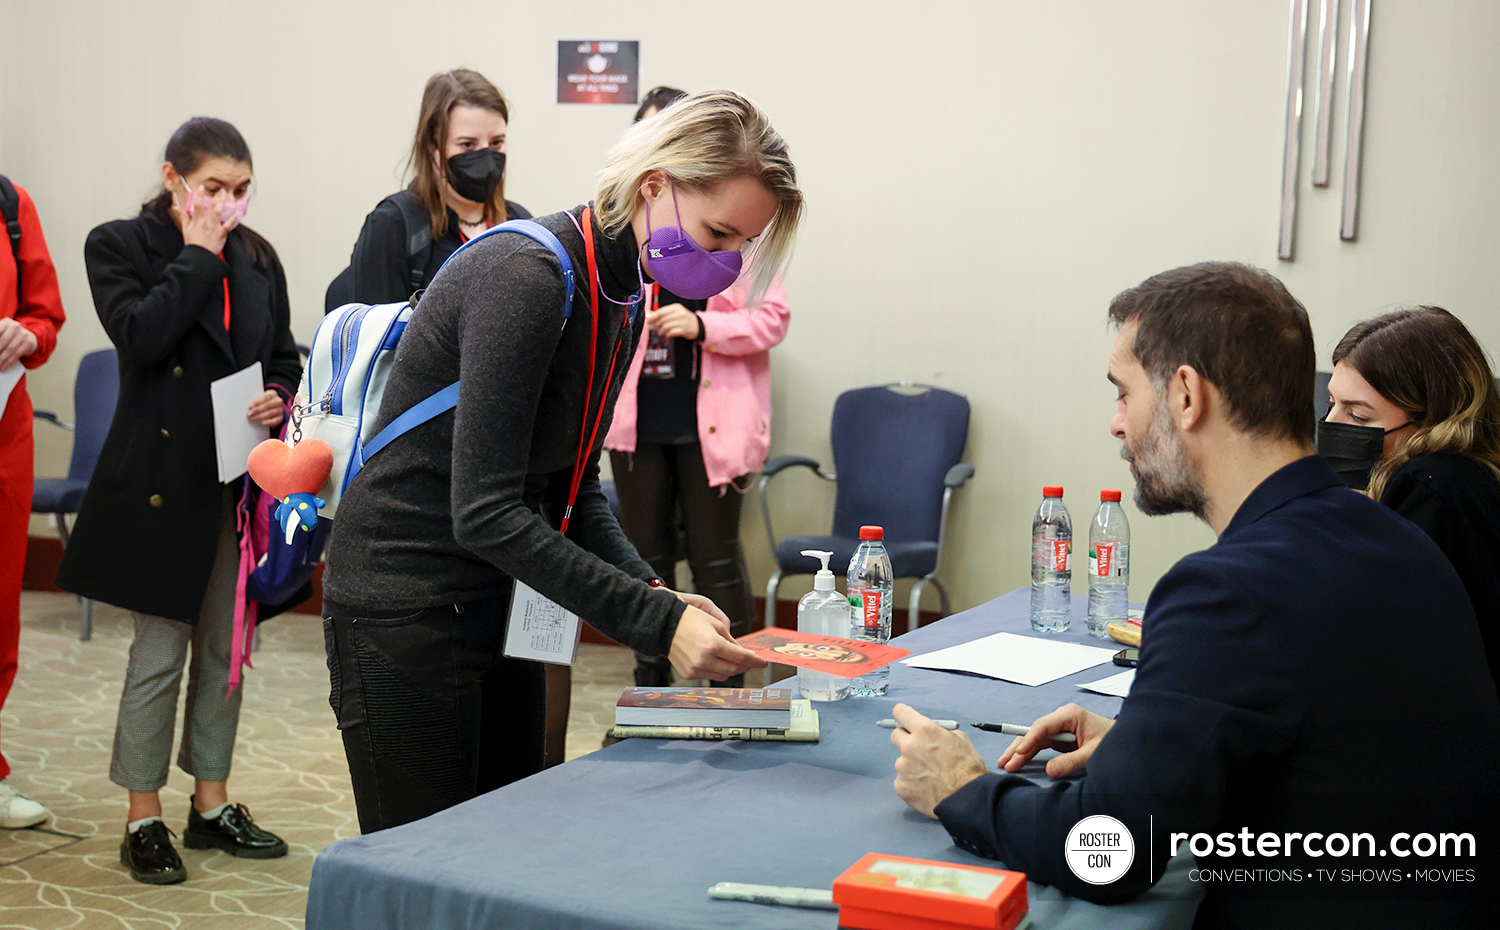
(594, 71)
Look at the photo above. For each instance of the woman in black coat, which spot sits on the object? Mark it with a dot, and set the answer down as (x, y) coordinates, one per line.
(1414, 419)
(188, 296)
(457, 191)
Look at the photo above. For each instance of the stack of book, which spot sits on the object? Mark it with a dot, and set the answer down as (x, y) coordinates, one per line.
(715, 713)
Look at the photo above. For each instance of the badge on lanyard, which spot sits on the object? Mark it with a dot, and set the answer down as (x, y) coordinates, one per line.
(659, 360)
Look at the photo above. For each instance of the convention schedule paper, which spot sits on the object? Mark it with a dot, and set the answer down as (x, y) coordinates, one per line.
(235, 437)
(1025, 660)
(846, 658)
(540, 629)
(1114, 685)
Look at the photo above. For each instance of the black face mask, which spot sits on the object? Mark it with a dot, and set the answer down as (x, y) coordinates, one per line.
(475, 175)
(1352, 450)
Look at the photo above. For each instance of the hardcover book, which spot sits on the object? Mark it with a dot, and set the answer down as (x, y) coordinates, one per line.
(766, 708)
(804, 729)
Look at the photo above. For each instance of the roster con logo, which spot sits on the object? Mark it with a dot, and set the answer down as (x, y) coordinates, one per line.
(1099, 849)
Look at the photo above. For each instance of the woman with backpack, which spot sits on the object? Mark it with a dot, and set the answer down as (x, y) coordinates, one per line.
(693, 423)
(457, 163)
(433, 533)
(187, 295)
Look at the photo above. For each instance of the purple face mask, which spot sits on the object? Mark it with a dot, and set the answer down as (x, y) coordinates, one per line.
(684, 267)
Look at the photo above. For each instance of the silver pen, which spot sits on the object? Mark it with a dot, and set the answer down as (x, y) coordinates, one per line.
(891, 724)
(1012, 729)
(819, 898)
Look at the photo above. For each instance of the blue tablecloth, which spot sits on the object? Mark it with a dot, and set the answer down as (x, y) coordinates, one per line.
(634, 835)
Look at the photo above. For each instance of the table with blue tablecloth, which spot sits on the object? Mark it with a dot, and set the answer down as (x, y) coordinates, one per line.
(633, 835)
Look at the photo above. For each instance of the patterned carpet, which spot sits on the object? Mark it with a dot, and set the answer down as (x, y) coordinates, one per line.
(289, 770)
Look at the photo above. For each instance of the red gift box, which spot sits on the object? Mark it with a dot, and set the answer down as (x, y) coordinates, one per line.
(881, 892)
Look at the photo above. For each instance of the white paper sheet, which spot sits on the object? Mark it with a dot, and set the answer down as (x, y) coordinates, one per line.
(9, 378)
(234, 435)
(1114, 685)
(1026, 660)
(540, 629)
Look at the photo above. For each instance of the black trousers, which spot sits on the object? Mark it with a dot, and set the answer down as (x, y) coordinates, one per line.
(431, 713)
(660, 485)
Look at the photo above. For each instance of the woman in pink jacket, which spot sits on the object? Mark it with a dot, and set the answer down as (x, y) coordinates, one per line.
(692, 425)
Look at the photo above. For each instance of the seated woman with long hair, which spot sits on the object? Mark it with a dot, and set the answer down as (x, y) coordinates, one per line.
(1418, 384)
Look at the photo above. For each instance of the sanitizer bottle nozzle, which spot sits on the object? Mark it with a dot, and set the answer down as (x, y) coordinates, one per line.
(823, 580)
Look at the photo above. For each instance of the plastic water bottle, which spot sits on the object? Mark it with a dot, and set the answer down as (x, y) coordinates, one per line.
(1051, 563)
(826, 612)
(871, 587)
(1109, 564)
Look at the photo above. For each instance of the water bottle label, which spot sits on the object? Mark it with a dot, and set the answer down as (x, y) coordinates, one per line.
(1108, 560)
(1060, 550)
(1101, 559)
(865, 601)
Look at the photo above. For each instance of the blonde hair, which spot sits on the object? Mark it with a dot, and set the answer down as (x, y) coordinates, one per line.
(699, 142)
(1426, 362)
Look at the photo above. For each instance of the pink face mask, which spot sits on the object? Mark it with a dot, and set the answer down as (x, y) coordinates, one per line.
(232, 208)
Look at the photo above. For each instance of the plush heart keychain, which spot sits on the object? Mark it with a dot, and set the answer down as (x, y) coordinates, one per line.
(293, 474)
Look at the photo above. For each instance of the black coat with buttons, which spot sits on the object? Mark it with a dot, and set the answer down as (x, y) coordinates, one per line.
(146, 535)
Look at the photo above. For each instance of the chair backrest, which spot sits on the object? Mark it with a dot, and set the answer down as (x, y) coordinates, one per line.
(892, 446)
(95, 391)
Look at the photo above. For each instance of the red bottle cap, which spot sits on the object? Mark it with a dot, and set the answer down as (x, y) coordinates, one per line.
(872, 532)
(1110, 496)
(1052, 490)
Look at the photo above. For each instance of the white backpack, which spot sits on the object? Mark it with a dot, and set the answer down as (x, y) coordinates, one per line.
(352, 355)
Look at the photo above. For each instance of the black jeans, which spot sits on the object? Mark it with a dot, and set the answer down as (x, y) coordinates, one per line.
(657, 484)
(431, 713)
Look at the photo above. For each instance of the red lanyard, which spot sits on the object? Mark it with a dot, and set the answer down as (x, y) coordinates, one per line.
(587, 436)
(226, 295)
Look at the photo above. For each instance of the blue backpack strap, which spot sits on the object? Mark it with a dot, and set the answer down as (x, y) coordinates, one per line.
(447, 398)
(545, 236)
(420, 413)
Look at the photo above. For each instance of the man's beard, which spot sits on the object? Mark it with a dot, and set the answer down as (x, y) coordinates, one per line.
(1165, 482)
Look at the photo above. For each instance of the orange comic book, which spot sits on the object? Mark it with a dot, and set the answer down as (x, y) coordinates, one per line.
(881, 892)
(846, 658)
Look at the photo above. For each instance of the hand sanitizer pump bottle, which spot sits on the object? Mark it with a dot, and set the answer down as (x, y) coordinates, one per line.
(825, 612)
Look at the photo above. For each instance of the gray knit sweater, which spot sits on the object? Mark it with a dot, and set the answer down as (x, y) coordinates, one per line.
(454, 509)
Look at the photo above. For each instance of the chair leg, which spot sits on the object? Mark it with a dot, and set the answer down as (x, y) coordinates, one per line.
(914, 606)
(86, 631)
(942, 594)
(771, 588)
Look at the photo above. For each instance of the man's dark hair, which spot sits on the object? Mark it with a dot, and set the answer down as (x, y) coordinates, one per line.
(1238, 327)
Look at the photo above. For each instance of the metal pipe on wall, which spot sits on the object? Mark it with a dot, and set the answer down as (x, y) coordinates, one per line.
(1359, 53)
(1328, 52)
(1292, 146)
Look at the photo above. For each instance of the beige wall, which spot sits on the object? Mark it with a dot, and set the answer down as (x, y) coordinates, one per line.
(982, 177)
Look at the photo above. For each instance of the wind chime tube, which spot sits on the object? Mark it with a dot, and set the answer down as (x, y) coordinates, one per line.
(1328, 52)
(1359, 53)
(1292, 148)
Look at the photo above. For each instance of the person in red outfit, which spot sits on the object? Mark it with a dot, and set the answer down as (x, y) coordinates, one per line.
(31, 313)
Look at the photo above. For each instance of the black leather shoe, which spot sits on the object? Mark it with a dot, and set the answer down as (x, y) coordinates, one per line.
(234, 832)
(149, 855)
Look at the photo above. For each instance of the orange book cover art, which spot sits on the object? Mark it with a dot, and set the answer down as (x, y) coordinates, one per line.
(846, 658)
(882, 891)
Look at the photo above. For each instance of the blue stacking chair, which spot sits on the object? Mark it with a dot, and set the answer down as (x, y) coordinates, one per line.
(896, 450)
(96, 388)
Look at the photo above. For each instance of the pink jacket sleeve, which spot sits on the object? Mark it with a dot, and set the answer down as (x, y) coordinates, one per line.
(732, 328)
